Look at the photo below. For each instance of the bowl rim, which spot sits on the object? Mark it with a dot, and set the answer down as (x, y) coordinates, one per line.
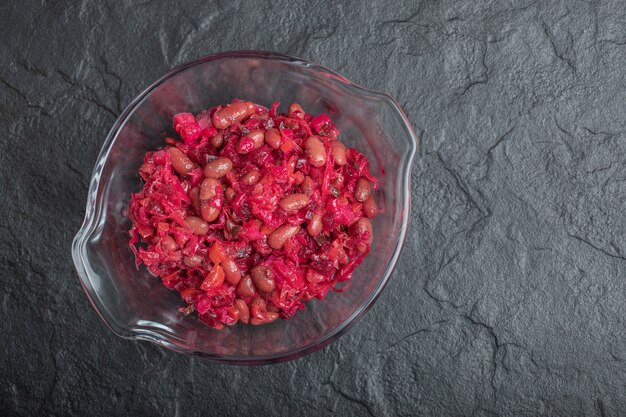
(167, 339)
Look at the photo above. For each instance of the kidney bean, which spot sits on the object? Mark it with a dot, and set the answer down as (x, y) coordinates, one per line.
(315, 151)
(369, 207)
(208, 188)
(218, 167)
(217, 140)
(257, 137)
(315, 225)
(230, 194)
(308, 185)
(296, 111)
(263, 278)
(362, 190)
(273, 138)
(338, 150)
(245, 145)
(197, 225)
(278, 238)
(251, 177)
(217, 254)
(169, 243)
(214, 278)
(194, 195)
(294, 202)
(231, 270)
(244, 311)
(245, 288)
(233, 313)
(259, 312)
(270, 316)
(363, 230)
(209, 213)
(192, 261)
(181, 164)
(235, 112)
(273, 308)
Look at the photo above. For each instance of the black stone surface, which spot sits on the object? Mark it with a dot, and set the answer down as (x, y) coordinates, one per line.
(509, 298)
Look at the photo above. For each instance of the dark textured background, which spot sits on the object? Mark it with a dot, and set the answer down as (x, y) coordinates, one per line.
(509, 298)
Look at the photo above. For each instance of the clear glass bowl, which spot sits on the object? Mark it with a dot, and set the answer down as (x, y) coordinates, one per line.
(135, 305)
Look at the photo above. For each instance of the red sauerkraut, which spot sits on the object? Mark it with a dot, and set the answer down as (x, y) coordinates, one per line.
(252, 212)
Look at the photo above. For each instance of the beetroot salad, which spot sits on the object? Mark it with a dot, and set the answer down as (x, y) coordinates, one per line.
(252, 212)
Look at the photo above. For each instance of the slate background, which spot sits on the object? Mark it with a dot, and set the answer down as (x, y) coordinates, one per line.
(509, 296)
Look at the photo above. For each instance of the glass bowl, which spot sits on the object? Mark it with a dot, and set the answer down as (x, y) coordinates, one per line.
(136, 305)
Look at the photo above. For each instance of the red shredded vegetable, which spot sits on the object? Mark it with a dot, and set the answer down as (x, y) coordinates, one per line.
(252, 212)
